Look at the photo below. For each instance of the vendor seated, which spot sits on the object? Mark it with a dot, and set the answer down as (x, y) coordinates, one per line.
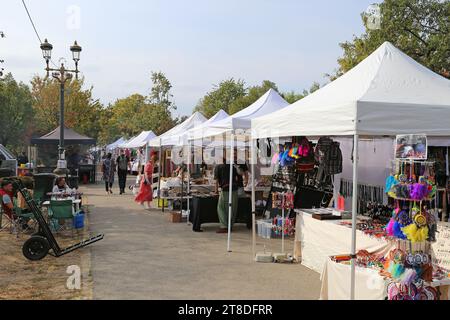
(61, 186)
(6, 197)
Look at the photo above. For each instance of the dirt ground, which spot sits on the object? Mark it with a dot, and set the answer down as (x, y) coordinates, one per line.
(21, 279)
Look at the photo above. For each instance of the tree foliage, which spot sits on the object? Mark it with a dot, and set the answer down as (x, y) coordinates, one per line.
(15, 111)
(253, 94)
(81, 111)
(221, 97)
(130, 116)
(420, 28)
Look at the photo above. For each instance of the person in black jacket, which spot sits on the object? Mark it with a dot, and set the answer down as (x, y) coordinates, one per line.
(122, 170)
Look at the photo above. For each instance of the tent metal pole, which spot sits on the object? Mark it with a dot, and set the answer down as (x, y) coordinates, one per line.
(354, 215)
(158, 192)
(253, 161)
(230, 191)
(189, 181)
(146, 154)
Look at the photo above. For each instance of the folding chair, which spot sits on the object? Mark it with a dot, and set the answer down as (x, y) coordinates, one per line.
(23, 218)
(7, 222)
(61, 210)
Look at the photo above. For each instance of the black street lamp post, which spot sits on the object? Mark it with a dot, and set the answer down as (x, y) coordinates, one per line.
(62, 75)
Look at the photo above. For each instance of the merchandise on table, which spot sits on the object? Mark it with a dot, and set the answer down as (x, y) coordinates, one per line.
(412, 181)
(272, 228)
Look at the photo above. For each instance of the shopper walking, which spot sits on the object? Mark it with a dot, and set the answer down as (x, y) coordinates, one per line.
(122, 170)
(108, 169)
(145, 195)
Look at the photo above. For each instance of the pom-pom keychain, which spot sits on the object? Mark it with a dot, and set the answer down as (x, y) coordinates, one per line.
(397, 230)
(390, 183)
(396, 270)
(275, 158)
(390, 227)
(419, 191)
(415, 234)
(408, 276)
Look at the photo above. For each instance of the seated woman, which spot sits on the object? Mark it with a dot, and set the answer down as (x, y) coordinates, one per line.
(61, 186)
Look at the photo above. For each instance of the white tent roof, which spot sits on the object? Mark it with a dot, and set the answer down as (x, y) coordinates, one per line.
(178, 135)
(115, 144)
(202, 129)
(268, 103)
(139, 141)
(388, 93)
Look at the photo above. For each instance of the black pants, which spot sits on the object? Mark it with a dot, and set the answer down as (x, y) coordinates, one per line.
(122, 179)
(108, 185)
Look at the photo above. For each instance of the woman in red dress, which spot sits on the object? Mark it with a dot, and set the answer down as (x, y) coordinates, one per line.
(145, 190)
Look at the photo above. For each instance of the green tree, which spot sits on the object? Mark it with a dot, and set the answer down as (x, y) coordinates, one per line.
(420, 28)
(81, 111)
(15, 110)
(130, 116)
(253, 94)
(292, 96)
(221, 97)
(160, 91)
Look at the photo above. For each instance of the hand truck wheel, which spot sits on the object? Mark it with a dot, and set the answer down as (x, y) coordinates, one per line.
(36, 248)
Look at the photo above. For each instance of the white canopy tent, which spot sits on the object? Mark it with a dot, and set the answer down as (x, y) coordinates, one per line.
(203, 129)
(115, 144)
(178, 134)
(386, 94)
(270, 102)
(139, 141)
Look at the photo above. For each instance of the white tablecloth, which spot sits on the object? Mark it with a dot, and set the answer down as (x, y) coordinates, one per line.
(336, 283)
(321, 239)
(369, 284)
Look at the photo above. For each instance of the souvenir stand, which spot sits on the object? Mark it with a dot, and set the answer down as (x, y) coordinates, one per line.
(238, 126)
(387, 94)
(204, 200)
(408, 267)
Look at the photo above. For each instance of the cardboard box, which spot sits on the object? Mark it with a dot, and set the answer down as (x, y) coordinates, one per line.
(175, 217)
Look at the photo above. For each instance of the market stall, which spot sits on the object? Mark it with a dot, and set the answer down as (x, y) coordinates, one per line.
(387, 94)
(113, 146)
(174, 137)
(237, 125)
(77, 150)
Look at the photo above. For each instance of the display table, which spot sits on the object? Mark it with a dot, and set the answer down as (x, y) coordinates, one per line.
(321, 239)
(204, 210)
(336, 283)
(369, 284)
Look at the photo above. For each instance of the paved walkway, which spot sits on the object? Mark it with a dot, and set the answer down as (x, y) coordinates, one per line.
(143, 256)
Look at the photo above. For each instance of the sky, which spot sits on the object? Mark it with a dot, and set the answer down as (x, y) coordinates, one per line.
(196, 43)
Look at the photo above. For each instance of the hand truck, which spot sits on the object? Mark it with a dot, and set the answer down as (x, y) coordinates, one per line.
(40, 243)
